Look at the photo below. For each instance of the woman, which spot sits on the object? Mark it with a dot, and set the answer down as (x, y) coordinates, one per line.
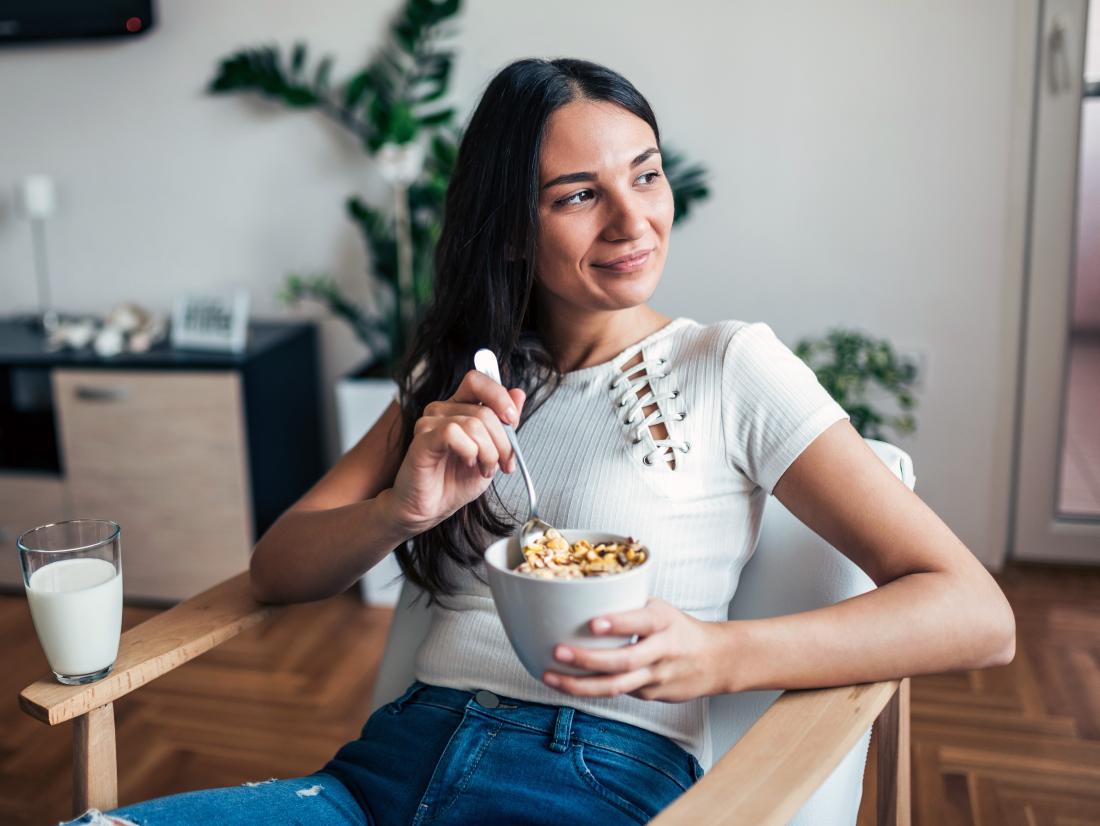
(556, 233)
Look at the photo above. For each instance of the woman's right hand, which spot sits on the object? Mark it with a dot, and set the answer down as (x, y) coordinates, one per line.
(457, 447)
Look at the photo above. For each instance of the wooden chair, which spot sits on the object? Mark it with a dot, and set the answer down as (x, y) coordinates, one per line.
(788, 748)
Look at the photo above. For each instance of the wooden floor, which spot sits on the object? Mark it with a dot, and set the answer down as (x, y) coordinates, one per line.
(1012, 745)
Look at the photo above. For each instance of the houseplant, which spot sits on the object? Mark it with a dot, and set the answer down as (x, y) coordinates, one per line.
(862, 373)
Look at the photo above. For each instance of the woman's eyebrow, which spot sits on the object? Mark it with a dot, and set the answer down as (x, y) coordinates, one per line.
(578, 177)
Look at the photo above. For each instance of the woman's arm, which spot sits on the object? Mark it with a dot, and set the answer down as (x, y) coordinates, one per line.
(339, 528)
(378, 496)
(936, 607)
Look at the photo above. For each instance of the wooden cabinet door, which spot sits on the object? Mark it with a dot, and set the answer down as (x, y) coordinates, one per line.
(163, 454)
(27, 500)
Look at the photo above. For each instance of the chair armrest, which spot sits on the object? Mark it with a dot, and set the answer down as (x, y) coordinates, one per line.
(782, 759)
(153, 648)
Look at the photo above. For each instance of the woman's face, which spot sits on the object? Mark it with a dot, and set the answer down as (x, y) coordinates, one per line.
(605, 209)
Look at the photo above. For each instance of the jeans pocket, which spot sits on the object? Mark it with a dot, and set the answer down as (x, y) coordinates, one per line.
(631, 785)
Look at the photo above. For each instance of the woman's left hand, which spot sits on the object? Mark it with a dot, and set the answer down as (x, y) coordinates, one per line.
(676, 658)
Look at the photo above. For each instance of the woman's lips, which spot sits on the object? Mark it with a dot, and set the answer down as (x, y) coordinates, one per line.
(627, 264)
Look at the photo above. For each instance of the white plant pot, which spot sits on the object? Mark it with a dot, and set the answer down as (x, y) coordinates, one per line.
(359, 403)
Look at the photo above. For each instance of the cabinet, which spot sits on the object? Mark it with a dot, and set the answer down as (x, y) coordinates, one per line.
(194, 455)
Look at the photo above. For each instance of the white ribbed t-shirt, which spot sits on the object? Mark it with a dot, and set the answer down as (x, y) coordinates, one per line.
(738, 406)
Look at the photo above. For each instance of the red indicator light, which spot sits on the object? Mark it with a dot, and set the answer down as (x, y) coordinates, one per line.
(133, 24)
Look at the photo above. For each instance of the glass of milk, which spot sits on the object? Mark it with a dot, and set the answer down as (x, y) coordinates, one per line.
(73, 575)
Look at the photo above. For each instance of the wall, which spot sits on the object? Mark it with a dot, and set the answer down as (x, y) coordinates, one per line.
(860, 155)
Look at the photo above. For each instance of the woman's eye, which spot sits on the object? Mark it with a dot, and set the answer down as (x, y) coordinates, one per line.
(575, 198)
(649, 177)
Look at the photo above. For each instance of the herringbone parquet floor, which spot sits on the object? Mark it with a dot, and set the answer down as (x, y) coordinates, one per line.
(1013, 745)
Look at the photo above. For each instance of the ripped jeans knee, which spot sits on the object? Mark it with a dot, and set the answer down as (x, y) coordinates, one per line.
(317, 799)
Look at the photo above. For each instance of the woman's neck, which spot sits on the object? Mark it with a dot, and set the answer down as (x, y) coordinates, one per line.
(583, 339)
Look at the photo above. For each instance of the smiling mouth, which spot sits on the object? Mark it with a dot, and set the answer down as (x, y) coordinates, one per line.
(627, 263)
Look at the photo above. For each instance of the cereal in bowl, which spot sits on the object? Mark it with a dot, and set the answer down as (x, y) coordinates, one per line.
(551, 556)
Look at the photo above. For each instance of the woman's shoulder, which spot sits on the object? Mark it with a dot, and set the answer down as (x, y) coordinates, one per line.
(719, 342)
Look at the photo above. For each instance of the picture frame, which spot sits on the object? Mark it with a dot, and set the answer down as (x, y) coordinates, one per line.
(211, 321)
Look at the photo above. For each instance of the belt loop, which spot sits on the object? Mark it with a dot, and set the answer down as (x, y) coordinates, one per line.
(395, 706)
(563, 727)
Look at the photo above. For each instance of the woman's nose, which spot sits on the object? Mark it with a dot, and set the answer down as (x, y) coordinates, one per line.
(626, 218)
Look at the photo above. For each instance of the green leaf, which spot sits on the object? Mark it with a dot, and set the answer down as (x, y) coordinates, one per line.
(321, 76)
(298, 58)
(356, 88)
(439, 118)
(404, 125)
(299, 97)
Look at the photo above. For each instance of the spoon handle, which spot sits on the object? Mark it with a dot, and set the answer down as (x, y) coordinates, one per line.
(485, 361)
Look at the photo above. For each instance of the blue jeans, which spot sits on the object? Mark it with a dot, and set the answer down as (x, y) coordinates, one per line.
(441, 756)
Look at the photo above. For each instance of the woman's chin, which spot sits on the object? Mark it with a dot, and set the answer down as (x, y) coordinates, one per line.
(623, 294)
(625, 299)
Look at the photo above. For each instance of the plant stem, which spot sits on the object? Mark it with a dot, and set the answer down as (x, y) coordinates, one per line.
(344, 117)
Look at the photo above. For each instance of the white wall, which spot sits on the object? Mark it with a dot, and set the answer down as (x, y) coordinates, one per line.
(859, 153)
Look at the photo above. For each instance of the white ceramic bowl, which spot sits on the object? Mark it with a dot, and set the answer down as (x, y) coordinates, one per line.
(539, 613)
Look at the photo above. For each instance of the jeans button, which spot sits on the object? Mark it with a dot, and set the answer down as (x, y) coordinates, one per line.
(487, 699)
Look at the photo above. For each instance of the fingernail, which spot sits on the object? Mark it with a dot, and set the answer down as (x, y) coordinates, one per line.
(551, 679)
(564, 654)
(513, 415)
(599, 625)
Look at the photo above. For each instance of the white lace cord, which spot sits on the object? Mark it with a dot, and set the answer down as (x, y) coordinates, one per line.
(663, 448)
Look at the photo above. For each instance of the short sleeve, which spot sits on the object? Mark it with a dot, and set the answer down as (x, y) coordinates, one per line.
(773, 406)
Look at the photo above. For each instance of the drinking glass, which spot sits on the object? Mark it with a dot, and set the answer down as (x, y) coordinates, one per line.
(72, 572)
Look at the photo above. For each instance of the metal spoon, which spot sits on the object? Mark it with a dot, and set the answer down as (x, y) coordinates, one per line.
(485, 361)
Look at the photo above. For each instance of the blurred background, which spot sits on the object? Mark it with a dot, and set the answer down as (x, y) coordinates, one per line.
(921, 176)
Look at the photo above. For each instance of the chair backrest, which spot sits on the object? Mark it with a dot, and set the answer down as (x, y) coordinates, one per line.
(768, 587)
(792, 570)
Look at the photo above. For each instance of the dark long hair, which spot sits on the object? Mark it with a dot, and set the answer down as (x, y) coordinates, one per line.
(484, 277)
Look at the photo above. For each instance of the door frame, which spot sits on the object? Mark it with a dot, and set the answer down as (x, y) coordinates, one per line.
(1039, 533)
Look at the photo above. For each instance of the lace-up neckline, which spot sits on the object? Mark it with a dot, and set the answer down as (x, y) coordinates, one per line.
(640, 386)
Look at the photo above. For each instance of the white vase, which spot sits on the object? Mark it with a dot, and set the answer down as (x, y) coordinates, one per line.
(359, 403)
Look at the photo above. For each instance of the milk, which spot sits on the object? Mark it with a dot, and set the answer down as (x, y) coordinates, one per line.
(76, 605)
